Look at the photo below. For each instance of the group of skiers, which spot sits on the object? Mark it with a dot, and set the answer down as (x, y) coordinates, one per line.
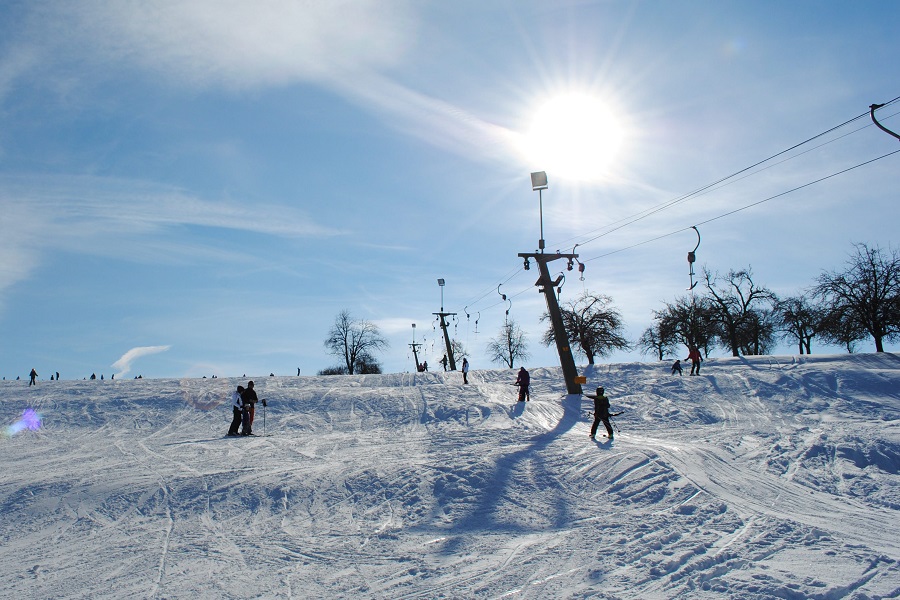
(243, 404)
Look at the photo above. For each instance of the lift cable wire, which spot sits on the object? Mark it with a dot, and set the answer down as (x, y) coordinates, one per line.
(625, 221)
(751, 205)
(707, 188)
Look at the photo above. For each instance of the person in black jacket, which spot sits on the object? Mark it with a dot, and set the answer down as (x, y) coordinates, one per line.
(250, 399)
(523, 380)
(601, 413)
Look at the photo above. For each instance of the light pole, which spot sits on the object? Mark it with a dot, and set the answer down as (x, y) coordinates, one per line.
(539, 183)
(443, 314)
(545, 286)
(415, 347)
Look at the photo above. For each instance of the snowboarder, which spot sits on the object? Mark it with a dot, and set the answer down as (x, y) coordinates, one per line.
(601, 413)
(676, 368)
(523, 381)
(237, 409)
(696, 359)
(250, 399)
(465, 370)
(33, 375)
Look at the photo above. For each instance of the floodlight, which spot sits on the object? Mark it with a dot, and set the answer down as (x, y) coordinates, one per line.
(538, 181)
(440, 282)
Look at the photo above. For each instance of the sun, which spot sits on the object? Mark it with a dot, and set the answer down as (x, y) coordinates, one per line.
(574, 136)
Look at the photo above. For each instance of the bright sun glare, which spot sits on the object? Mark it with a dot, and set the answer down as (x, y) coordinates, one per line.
(574, 136)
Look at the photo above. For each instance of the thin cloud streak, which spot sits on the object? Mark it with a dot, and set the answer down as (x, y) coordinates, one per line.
(124, 363)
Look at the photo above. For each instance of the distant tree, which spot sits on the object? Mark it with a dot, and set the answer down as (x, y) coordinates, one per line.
(687, 321)
(758, 332)
(592, 324)
(866, 294)
(652, 342)
(798, 321)
(509, 346)
(736, 302)
(354, 341)
(459, 350)
(839, 328)
(338, 370)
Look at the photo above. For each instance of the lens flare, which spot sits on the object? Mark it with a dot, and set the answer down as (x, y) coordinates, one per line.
(29, 420)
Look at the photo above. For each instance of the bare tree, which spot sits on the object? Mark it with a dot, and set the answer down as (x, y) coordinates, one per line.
(509, 345)
(867, 294)
(839, 328)
(354, 341)
(652, 342)
(687, 321)
(735, 301)
(799, 321)
(592, 323)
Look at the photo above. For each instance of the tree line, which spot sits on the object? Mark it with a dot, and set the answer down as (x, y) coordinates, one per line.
(732, 311)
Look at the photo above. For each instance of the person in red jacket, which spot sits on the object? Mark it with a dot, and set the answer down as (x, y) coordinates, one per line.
(696, 359)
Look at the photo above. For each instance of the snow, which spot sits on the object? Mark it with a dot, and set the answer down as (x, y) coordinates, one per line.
(764, 477)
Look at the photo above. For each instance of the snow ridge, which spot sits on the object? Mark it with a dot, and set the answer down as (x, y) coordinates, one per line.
(764, 477)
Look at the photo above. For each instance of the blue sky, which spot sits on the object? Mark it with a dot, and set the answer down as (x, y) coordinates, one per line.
(198, 188)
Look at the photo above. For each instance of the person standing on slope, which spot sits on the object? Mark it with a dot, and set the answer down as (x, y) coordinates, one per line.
(601, 413)
(676, 368)
(523, 381)
(33, 375)
(237, 410)
(465, 370)
(250, 399)
(695, 358)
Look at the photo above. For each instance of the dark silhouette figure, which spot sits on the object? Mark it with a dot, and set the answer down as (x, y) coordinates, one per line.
(696, 359)
(33, 376)
(523, 381)
(601, 413)
(250, 399)
(676, 368)
(237, 410)
(465, 370)
(444, 362)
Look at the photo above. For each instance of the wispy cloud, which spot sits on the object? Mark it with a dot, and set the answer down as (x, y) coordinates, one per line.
(124, 363)
(346, 47)
(99, 215)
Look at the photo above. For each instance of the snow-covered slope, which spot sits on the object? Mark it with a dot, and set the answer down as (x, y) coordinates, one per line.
(765, 477)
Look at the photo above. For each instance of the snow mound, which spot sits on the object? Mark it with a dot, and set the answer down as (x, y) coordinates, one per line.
(764, 477)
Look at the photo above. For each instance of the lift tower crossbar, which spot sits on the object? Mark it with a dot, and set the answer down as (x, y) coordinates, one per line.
(546, 286)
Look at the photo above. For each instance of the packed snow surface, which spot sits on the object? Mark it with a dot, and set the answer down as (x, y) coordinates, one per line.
(764, 477)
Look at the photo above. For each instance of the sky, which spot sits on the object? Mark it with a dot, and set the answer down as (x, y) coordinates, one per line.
(198, 189)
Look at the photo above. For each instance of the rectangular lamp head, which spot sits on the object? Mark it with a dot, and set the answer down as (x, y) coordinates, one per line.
(440, 282)
(538, 181)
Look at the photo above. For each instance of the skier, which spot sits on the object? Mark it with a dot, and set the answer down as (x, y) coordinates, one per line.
(33, 375)
(695, 358)
(676, 368)
(465, 370)
(237, 409)
(250, 399)
(444, 362)
(523, 381)
(601, 413)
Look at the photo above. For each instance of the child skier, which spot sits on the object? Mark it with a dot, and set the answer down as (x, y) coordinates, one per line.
(601, 413)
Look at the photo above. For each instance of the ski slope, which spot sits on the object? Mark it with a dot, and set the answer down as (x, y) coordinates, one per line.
(764, 477)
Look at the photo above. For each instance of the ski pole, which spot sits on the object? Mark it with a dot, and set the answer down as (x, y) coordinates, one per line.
(613, 423)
